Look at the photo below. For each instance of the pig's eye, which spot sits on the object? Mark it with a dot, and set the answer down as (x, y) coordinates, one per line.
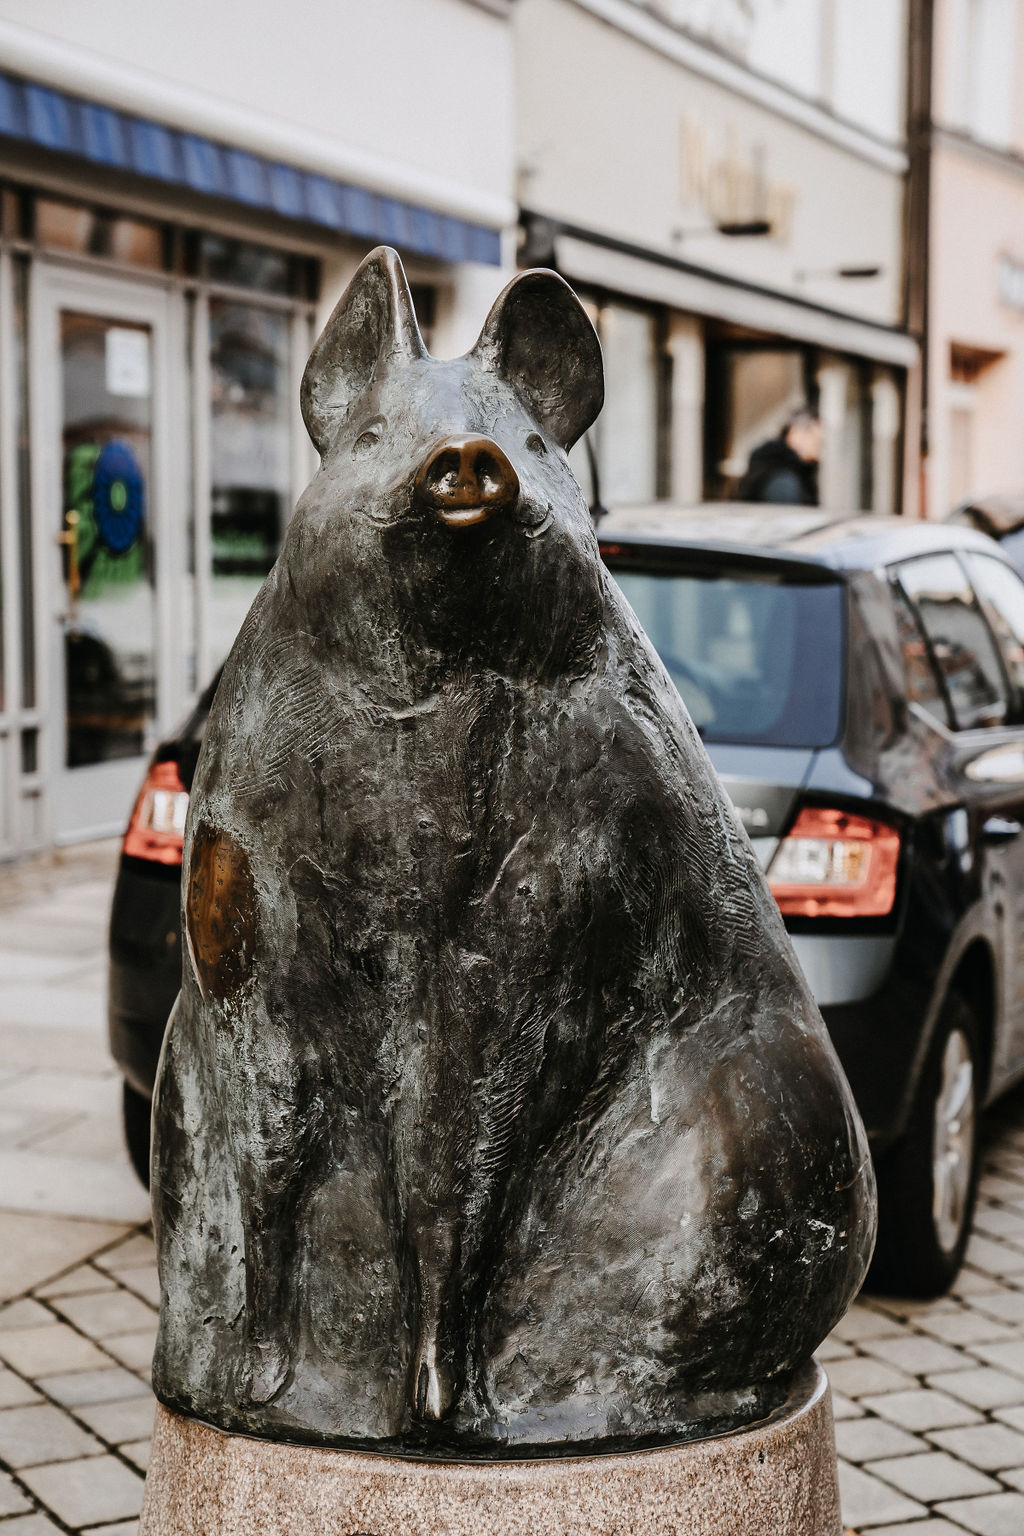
(367, 441)
(536, 444)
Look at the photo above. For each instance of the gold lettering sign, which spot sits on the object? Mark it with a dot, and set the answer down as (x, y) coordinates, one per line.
(732, 186)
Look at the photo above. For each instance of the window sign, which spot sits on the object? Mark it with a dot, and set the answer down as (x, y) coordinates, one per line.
(127, 355)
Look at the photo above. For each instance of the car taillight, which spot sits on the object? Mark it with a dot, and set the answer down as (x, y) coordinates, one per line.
(157, 826)
(834, 864)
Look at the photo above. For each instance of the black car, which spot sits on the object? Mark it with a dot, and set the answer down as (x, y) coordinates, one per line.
(859, 684)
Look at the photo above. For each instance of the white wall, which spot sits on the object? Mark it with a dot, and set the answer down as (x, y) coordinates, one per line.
(424, 82)
(847, 54)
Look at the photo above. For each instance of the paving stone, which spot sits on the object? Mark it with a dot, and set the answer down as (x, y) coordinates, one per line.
(48, 1350)
(844, 1408)
(122, 1528)
(862, 1322)
(81, 1387)
(982, 1387)
(988, 1446)
(12, 1498)
(909, 1308)
(135, 1350)
(143, 1280)
(137, 1451)
(101, 1488)
(30, 1436)
(833, 1349)
(78, 1281)
(31, 1525)
(916, 1355)
(932, 1476)
(996, 1514)
(914, 1528)
(869, 1439)
(994, 1257)
(24, 1314)
(999, 1188)
(131, 1419)
(14, 1391)
(860, 1375)
(1006, 1305)
(972, 1282)
(921, 1409)
(75, 1186)
(83, 1052)
(866, 1501)
(964, 1327)
(1014, 1476)
(997, 1221)
(33, 1249)
(136, 1251)
(1006, 1355)
(51, 1006)
(1014, 1417)
(104, 1314)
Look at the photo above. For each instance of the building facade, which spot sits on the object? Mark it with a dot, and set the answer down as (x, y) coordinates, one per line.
(725, 182)
(183, 196)
(975, 367)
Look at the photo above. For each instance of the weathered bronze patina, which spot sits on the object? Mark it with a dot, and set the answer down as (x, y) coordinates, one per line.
(502, 1120)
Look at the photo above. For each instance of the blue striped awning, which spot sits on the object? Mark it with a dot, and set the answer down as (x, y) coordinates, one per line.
(54, 120)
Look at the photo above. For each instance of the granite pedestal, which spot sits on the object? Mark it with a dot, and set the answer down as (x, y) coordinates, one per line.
(776, 1478)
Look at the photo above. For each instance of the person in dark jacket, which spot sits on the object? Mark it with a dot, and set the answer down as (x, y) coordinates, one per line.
(785, 469)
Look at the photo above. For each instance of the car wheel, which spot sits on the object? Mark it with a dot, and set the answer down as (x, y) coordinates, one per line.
(927, 1184)
(137, 1111)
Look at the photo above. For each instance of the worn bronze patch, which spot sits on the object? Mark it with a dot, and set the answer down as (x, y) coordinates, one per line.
(220, 911)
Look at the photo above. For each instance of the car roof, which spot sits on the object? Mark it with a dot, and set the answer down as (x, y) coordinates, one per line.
(812, 535)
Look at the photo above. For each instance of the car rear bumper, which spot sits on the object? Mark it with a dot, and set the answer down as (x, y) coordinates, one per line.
(145, 966)
(875, 1008)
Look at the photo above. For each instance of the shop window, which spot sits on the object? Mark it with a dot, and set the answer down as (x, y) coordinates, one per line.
(250, 456)
(628, 443)
(85, 231)
(244, 265)
(751, 390)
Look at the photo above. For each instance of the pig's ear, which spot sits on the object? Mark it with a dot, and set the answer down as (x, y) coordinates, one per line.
(539, 337)
(374, 320)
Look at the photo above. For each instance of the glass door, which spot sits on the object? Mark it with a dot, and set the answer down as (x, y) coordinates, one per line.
(101, 460)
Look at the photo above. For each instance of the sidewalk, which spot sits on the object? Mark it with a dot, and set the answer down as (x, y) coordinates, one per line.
(929, 1398)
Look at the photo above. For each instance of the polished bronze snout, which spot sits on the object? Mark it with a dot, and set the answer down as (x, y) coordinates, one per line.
(465, 480)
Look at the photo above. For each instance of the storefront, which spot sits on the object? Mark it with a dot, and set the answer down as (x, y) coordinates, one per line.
(739, 246)
(153, 333)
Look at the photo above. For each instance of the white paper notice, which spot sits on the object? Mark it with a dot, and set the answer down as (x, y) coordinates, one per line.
(127, 362)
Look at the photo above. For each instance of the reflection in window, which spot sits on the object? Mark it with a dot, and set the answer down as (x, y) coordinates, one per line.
(1002, 596)
(960, 639)
(922, 683)
(249, 451)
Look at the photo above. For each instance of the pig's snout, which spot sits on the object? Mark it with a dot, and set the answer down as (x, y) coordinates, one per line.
(465, 480)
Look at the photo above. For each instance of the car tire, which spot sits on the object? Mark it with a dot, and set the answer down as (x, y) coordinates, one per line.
(928, 1182)
(137, 1112)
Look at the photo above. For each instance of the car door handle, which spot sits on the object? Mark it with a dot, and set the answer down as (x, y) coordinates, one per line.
(1000, 829)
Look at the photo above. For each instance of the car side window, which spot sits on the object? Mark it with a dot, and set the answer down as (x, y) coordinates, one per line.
(923, 686)
(960, 640)
(1001, 593)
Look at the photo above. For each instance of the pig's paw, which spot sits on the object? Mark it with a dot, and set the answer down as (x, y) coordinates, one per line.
(264, 1372)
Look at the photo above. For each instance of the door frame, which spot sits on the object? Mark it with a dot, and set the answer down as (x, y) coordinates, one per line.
(95, 801)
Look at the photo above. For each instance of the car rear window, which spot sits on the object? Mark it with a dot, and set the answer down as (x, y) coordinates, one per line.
(757, 657)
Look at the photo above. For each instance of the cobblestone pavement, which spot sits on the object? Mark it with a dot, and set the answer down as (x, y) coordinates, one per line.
(929, 1398)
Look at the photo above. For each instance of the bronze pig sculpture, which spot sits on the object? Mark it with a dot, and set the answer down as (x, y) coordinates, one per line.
(494, 1117)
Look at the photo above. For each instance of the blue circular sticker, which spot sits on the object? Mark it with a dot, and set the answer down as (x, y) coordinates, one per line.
(118, 498)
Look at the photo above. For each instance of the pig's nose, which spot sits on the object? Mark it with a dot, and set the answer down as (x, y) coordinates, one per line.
(465, 480)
